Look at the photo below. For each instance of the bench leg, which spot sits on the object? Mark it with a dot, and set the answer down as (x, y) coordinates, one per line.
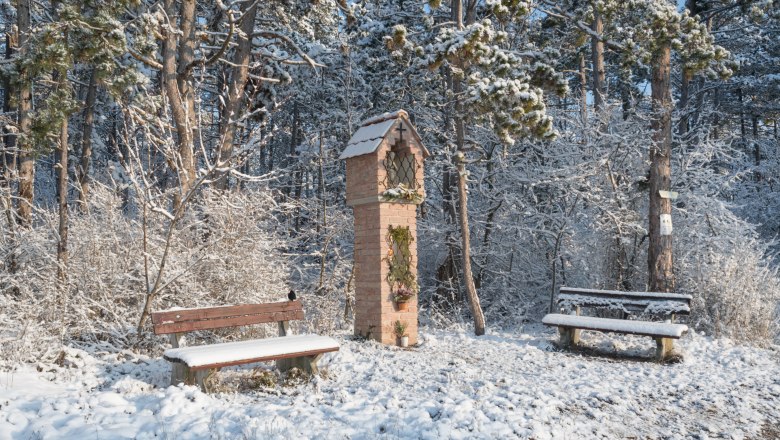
(307, 364)
(310, 364)
(570, 337)
(663, 348)
(201, 378)
(179, 373)
(284, 364)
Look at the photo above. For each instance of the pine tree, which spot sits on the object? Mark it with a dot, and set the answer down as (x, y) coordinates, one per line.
(78, 33)
(489, 84)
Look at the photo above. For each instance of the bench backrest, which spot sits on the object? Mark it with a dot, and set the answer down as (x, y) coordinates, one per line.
(185, 320)
(651, 303)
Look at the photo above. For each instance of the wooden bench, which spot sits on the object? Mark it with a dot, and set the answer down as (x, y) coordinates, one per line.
(627, 304)
(192, 365)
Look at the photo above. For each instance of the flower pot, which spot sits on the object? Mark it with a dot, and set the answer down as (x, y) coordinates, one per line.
(403, 306)
(404, 341)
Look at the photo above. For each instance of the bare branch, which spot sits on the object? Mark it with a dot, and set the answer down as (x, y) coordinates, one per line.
(614, 45)
(146, 60)
(291, 43)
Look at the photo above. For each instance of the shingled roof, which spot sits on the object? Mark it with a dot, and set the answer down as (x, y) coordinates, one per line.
(373, 130)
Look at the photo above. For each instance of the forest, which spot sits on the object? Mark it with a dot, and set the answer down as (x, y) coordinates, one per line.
(163, 156)
(181, 153)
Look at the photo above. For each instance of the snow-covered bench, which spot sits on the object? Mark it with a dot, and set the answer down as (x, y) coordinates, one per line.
(192, 365)
(628, 303)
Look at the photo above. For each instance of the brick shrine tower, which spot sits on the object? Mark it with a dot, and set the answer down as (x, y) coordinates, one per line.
(384, 161)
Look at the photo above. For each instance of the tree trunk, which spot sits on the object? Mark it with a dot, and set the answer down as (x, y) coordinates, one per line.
(86, 141)
(235, 95)
(742, 130)
(186, 60)
(463, 218)
(716, 113)
(583, 91)
(468, 277)
(684, 125)
(626, 95)
(448, 287)
(291, 150)
(26, 157)
(321, 185)
(9, 138)
(271, 153)
(597, 54)
(175, 79)
(756, 146)
(659, 256)
(297, 176)
(489, 222)
(685, 87)
(62, 185)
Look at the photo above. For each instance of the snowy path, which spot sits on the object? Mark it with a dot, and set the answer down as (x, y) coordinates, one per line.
(454, 386)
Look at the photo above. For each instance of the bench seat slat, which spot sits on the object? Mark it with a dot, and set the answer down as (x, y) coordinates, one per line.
(257, 350)
(653, 329)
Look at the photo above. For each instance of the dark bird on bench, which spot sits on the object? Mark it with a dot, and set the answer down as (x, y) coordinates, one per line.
(291, 295)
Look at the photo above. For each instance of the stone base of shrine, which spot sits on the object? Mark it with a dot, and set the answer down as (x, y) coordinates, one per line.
(380, 327)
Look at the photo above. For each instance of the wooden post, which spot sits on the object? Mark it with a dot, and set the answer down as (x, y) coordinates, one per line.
(202, 378)
(307, 364)
(310, 364)
(175, 338)
(570, 337)
(179, 371)
(284, 330)
(664, 347)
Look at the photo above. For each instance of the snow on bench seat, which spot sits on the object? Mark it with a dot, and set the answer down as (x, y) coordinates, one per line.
(655, 329)
(256, 350)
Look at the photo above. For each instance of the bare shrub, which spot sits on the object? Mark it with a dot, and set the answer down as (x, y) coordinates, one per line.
(230, 248)
(728, 270)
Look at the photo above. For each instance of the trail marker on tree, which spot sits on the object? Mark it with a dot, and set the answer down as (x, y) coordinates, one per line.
(384, 187)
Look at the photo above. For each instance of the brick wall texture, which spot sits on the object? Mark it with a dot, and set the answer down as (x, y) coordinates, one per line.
(375, 310)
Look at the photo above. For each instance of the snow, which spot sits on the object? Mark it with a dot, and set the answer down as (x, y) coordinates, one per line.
(630, 294)
(186, 309)
(657, 303)
(650, 306)
(616, 325)
(372, 131)
(252, 349)
(367, 139)
(389, 115)
(666, 308)
(453, 386)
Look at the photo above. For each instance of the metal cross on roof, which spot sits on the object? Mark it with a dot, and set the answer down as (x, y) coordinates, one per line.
(401, 131)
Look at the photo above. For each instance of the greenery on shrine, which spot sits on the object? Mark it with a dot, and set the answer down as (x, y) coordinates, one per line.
(400, 276)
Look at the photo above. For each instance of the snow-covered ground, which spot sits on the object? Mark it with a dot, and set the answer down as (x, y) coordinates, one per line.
(453, 385)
